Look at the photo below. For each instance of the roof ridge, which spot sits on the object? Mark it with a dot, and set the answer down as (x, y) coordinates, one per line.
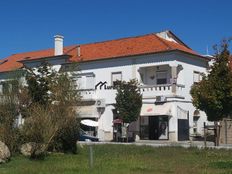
(122, 38)
(180, 45)
(184, 44)
(76, 45)
(160, 39)
(171, 42)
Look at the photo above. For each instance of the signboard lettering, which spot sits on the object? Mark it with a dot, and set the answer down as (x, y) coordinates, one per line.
(103, 85)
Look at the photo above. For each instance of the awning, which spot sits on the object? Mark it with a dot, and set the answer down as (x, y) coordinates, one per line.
(89, 123)
(156, 110)
(87, 111)
(117, 121)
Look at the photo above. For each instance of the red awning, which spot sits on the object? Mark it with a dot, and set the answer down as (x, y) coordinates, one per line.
(117, 121)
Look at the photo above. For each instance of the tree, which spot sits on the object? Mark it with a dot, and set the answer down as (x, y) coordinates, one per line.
(9, 111)
(51, 121)
(45, 99)
(39, 83)
(213, 94)
(128, 101)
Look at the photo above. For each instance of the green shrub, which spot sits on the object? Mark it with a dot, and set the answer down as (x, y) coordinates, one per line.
(66, 139)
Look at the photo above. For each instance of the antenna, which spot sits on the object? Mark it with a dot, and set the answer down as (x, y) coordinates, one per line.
(207, 50)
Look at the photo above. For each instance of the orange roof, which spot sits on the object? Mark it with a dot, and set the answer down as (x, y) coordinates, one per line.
(12, 62)
(139, 45)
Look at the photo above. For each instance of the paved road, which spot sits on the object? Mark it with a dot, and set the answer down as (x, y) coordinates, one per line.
(186, 144)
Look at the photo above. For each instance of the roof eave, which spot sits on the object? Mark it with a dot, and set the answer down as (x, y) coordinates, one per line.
(200, 56)
(43, 58)
(157, 52)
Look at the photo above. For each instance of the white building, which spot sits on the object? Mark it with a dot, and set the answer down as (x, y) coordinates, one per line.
(165, 67)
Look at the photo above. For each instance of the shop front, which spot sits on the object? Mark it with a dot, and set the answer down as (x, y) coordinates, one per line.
(154, 121)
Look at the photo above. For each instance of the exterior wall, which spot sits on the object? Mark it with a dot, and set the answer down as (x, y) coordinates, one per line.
(131, 68)
(200, 125)
(189, 64)
(105, 128)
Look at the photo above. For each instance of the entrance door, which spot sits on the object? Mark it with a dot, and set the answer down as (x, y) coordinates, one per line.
(158, 128)
(153, 128)
(183, 129)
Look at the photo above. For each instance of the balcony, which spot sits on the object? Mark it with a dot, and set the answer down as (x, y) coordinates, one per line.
(150, 91)
(87, 94)
(163, 79)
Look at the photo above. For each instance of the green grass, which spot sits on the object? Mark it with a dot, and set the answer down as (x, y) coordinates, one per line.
(126, 159)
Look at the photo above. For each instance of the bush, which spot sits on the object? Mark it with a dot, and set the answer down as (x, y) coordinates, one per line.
(46, 103)
(9, 133)
(12, 138)
(66, 139)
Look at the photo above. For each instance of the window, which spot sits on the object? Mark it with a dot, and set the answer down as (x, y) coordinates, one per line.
(195, 123)
(161, 77)
(116, 76)
(90, 81)
(8, 86)
(141, 78)
(196, 116)
(78, 82)
(197, 77)
(1, 92)
(84, 81)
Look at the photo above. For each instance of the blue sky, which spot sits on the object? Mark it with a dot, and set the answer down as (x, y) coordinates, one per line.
(27, 25)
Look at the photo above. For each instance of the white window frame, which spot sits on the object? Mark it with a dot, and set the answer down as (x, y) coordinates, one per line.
(116, 73)
(80, 81)
(197, 77)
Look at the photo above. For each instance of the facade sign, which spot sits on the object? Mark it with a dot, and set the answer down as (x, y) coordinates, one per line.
(103, 85)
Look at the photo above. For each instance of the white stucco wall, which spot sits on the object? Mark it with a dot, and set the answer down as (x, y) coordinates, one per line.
(130, 67)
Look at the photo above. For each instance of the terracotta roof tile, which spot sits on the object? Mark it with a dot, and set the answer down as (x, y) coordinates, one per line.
(146, 44)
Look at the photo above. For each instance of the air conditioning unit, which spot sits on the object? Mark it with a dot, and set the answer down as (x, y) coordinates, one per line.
(100, 103)
(160, 99)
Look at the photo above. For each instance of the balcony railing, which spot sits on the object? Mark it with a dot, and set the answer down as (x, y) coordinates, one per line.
(165, 87)
(154, 90)
(87, 94)
(146, 90)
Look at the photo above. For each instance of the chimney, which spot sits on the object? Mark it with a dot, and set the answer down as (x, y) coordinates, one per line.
(58, 45)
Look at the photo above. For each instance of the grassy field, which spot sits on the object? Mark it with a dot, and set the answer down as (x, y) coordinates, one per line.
(125, 159)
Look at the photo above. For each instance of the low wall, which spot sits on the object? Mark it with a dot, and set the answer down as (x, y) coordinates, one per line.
(226, 131)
